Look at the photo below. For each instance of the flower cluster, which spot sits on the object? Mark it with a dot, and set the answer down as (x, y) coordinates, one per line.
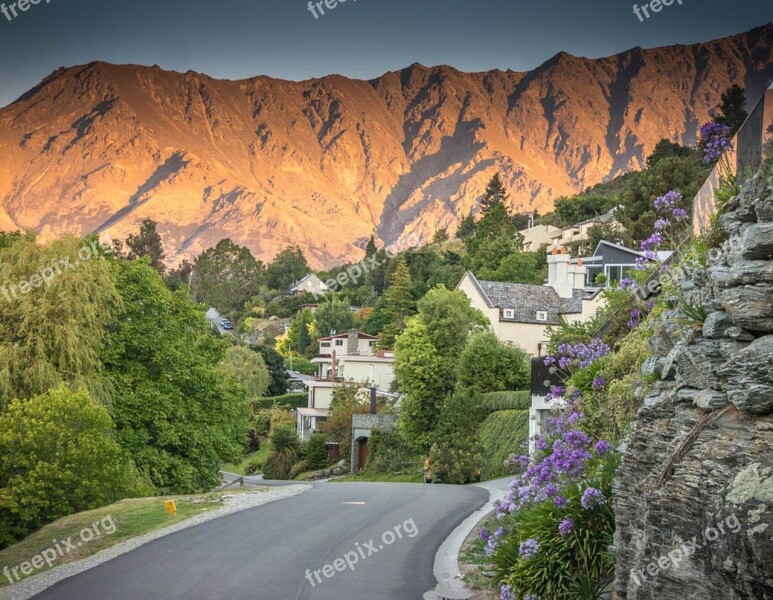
(528, 548)
(592, 497)
(492, 541)
(669, 213)
(635, 318)
(566, 526)
(715, 141)
(578, 355)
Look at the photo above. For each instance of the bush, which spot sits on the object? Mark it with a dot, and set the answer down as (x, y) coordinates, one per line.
(302, 466)
(283, 453)
(289, 401)
(387, 452)
(501, 435)
(315, 452)
(282, 418)
(58, 457)
(488, 365)
(253, 466)
(495, 401)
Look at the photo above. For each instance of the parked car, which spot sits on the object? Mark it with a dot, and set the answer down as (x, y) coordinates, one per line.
(227, 325)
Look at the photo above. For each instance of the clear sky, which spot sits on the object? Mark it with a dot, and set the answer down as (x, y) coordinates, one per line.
(359, 38)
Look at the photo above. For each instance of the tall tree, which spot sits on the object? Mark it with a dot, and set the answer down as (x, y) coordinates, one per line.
(248, 369)
(333, 316)
(489, 365)
(732, 109)
(176, 412)
(399, 303)
(288, 267)
(495, 193)
(278, 378)
(304, 339)
(441, 235)
(147, 244)
(371, 249)
(466, 226)
(227, 276)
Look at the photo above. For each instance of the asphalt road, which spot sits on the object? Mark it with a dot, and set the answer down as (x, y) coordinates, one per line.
(263, 553)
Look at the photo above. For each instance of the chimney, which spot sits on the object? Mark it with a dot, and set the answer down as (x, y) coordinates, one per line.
(353, 343)
(373, 401)
(560, 277)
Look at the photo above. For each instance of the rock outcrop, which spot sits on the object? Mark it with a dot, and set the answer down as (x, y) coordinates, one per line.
(694, 494)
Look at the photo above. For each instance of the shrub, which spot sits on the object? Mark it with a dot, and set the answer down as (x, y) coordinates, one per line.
(282, 418)
(495, 401)
(488, 365)
(387, 452)
(501, 435)
(283, 453)
(315, 452)
(58, 457)
(253, 466)
(289, 401)
(300, 467)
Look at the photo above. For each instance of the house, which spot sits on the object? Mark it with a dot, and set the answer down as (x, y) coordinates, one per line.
(538, 236)
(310, 284)
(575, 237)
(521, 313)
(613, 261)
(352, 343)
(364, 367)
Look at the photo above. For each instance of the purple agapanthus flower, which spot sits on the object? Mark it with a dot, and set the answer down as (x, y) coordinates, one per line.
(506, 593)
(566, 526)
(715, 141)
(528, 548)
(598, 383)
(602, 447)
(668, 200)
(592, 497)
(662, 224)
(679, 213)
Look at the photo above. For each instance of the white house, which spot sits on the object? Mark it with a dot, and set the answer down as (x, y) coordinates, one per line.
(311, 284)
(368, 369)
(351, 343)
(521, 313)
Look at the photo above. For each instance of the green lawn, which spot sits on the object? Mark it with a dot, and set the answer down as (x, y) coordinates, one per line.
(127, 519)
(239, 468)
(381, 477)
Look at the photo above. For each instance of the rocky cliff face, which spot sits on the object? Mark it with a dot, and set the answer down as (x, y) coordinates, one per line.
(694, 495)
(325, 163)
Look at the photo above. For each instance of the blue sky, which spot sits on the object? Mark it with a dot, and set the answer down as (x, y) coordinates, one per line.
(359, 38)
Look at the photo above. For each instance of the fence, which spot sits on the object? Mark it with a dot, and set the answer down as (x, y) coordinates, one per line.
(746, 155)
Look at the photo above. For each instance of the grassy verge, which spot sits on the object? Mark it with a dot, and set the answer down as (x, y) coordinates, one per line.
(475, 565)
(126, 519)
(381, 477)
(240, 468)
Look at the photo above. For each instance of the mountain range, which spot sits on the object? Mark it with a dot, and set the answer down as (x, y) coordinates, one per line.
(326, 163)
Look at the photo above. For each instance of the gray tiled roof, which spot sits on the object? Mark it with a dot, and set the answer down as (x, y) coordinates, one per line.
(525, 300)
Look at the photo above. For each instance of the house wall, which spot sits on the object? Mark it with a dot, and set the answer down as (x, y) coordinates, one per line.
(320, 396)
(382, 374)
(527, 336)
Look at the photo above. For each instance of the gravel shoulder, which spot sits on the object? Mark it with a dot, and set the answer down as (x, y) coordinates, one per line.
(231, 503)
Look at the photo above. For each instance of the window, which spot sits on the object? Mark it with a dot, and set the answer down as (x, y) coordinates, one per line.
(508, 313)
(542, 315)
(339, 342)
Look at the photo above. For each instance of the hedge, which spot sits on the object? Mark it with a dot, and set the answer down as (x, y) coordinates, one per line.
(494, 401)
(501, 435)
(292, 401)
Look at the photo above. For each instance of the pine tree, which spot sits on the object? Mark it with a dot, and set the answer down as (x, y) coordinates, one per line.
(398, 303)
(441, 235)
(147, 244)
(495, 194)
(304, 339)
(371, 249)
(732, 109)
(466, 227)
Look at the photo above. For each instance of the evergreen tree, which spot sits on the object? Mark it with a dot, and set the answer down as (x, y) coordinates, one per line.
(333, 315)
(466, 227)
(398, 303)
(278, 379)
(732, 109)
(304, 339)
(441, 235)
(495, 194)
(371, 249)
(147, 244)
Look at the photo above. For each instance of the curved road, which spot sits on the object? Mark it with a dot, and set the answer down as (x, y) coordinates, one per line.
(263, 553)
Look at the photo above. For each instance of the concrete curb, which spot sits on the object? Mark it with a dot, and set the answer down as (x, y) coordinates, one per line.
(446, 569)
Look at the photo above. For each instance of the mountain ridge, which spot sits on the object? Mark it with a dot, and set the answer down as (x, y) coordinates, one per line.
(326, 162)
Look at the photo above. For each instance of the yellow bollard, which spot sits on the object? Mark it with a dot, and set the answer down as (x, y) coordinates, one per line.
(170, 507)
